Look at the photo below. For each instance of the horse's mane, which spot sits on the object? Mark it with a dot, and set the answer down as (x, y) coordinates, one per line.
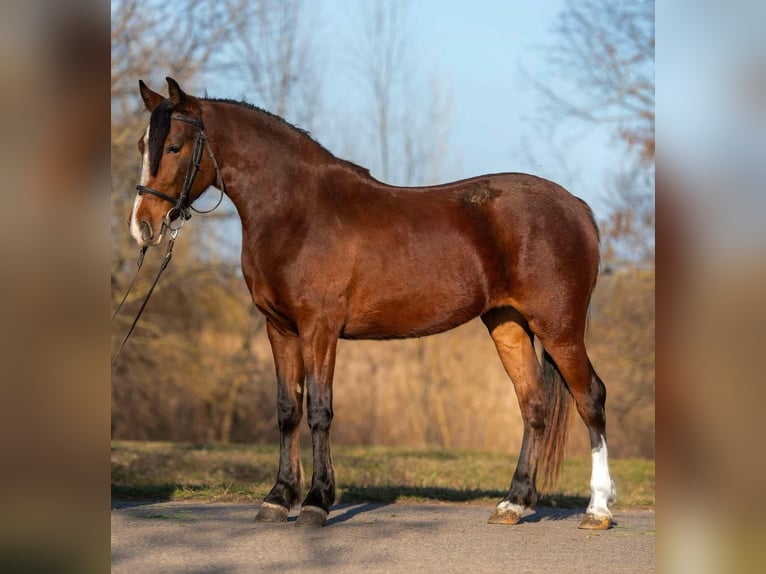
(300, 131)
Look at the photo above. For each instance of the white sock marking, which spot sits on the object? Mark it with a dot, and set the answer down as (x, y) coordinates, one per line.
(602, 490)
(505, 506)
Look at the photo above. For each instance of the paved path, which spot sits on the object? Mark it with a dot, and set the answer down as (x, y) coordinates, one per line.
(223, 538)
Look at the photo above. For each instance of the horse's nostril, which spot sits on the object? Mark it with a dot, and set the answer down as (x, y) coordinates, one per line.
(146, 231)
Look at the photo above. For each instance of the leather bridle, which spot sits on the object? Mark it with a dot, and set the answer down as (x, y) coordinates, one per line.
(181, 204)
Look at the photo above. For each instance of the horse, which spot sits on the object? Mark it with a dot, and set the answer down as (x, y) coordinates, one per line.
(329, 253)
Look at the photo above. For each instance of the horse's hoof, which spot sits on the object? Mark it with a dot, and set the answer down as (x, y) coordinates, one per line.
(271, 512)
(506, 513)
(593, 522)
(312, 516)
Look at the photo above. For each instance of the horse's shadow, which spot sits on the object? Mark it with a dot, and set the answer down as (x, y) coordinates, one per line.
(546, 514)
(346, 511)
(349, 510)
(551, 507)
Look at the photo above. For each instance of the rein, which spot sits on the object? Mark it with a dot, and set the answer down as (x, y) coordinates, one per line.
(163, 266)
(181, 207)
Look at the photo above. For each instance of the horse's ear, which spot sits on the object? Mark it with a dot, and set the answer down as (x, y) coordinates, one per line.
(151, 99)
(177, 95)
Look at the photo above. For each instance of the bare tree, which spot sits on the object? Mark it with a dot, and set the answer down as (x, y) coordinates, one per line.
(604, 68)
(627, 232)
(602, 71)
(274, 45)
(381, 66)
(425, 132)
(152, 39)
(410, 112)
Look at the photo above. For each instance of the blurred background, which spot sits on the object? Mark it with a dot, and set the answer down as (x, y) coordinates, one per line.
(420, 93)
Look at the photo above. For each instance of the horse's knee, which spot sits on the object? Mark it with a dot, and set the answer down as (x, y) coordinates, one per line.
(536, 415)
(289, 415)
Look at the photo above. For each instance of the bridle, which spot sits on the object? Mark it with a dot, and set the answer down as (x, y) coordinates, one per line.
(177, 215)
(181, 204)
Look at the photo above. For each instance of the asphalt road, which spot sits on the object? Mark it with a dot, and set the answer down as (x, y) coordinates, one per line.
(223, 538)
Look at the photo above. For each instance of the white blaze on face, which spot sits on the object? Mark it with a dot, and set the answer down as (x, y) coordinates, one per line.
(135, 229)
(602, 490)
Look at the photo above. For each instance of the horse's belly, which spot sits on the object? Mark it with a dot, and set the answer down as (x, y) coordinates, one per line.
(429, 309)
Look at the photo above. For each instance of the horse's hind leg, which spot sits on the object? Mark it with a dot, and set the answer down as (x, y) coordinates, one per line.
(514, 344)
(290, 379)
(589, 393)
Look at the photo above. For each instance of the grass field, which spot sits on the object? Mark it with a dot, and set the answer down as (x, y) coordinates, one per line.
(244, 473)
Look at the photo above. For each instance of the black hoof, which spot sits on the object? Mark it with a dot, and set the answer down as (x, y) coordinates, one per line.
(271, 512)
(312, 516)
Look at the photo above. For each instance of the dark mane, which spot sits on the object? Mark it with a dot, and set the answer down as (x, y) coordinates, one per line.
(300, 131)
(255, 108)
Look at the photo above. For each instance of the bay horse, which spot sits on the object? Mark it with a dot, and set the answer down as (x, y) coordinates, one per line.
(329, 252)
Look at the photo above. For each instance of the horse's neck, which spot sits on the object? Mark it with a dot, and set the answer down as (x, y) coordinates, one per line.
(255, 171)
(269, 170)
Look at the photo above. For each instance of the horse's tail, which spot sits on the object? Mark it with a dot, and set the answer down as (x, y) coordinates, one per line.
(558, 402)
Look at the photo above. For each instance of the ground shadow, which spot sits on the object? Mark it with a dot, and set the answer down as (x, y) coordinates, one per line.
(545, 514)
(347, 511)
(393, 493)
(125, 496)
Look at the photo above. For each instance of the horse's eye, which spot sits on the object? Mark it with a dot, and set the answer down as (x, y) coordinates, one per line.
(173, 149)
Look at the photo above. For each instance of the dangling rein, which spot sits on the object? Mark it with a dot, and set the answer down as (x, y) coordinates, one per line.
(163, 266)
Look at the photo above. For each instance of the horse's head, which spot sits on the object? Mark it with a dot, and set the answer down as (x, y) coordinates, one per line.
(174, 171)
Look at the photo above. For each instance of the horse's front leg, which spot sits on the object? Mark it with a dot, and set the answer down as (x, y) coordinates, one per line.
(319, 345)
(288, 360)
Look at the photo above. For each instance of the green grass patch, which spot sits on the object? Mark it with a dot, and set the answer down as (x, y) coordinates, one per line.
(243, 473)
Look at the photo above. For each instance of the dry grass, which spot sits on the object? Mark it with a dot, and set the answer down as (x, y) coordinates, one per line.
(243, 473)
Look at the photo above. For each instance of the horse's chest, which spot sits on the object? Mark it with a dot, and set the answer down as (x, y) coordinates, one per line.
(264, 295)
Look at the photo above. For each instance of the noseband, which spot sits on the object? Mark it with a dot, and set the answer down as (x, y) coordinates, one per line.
(181, 204)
